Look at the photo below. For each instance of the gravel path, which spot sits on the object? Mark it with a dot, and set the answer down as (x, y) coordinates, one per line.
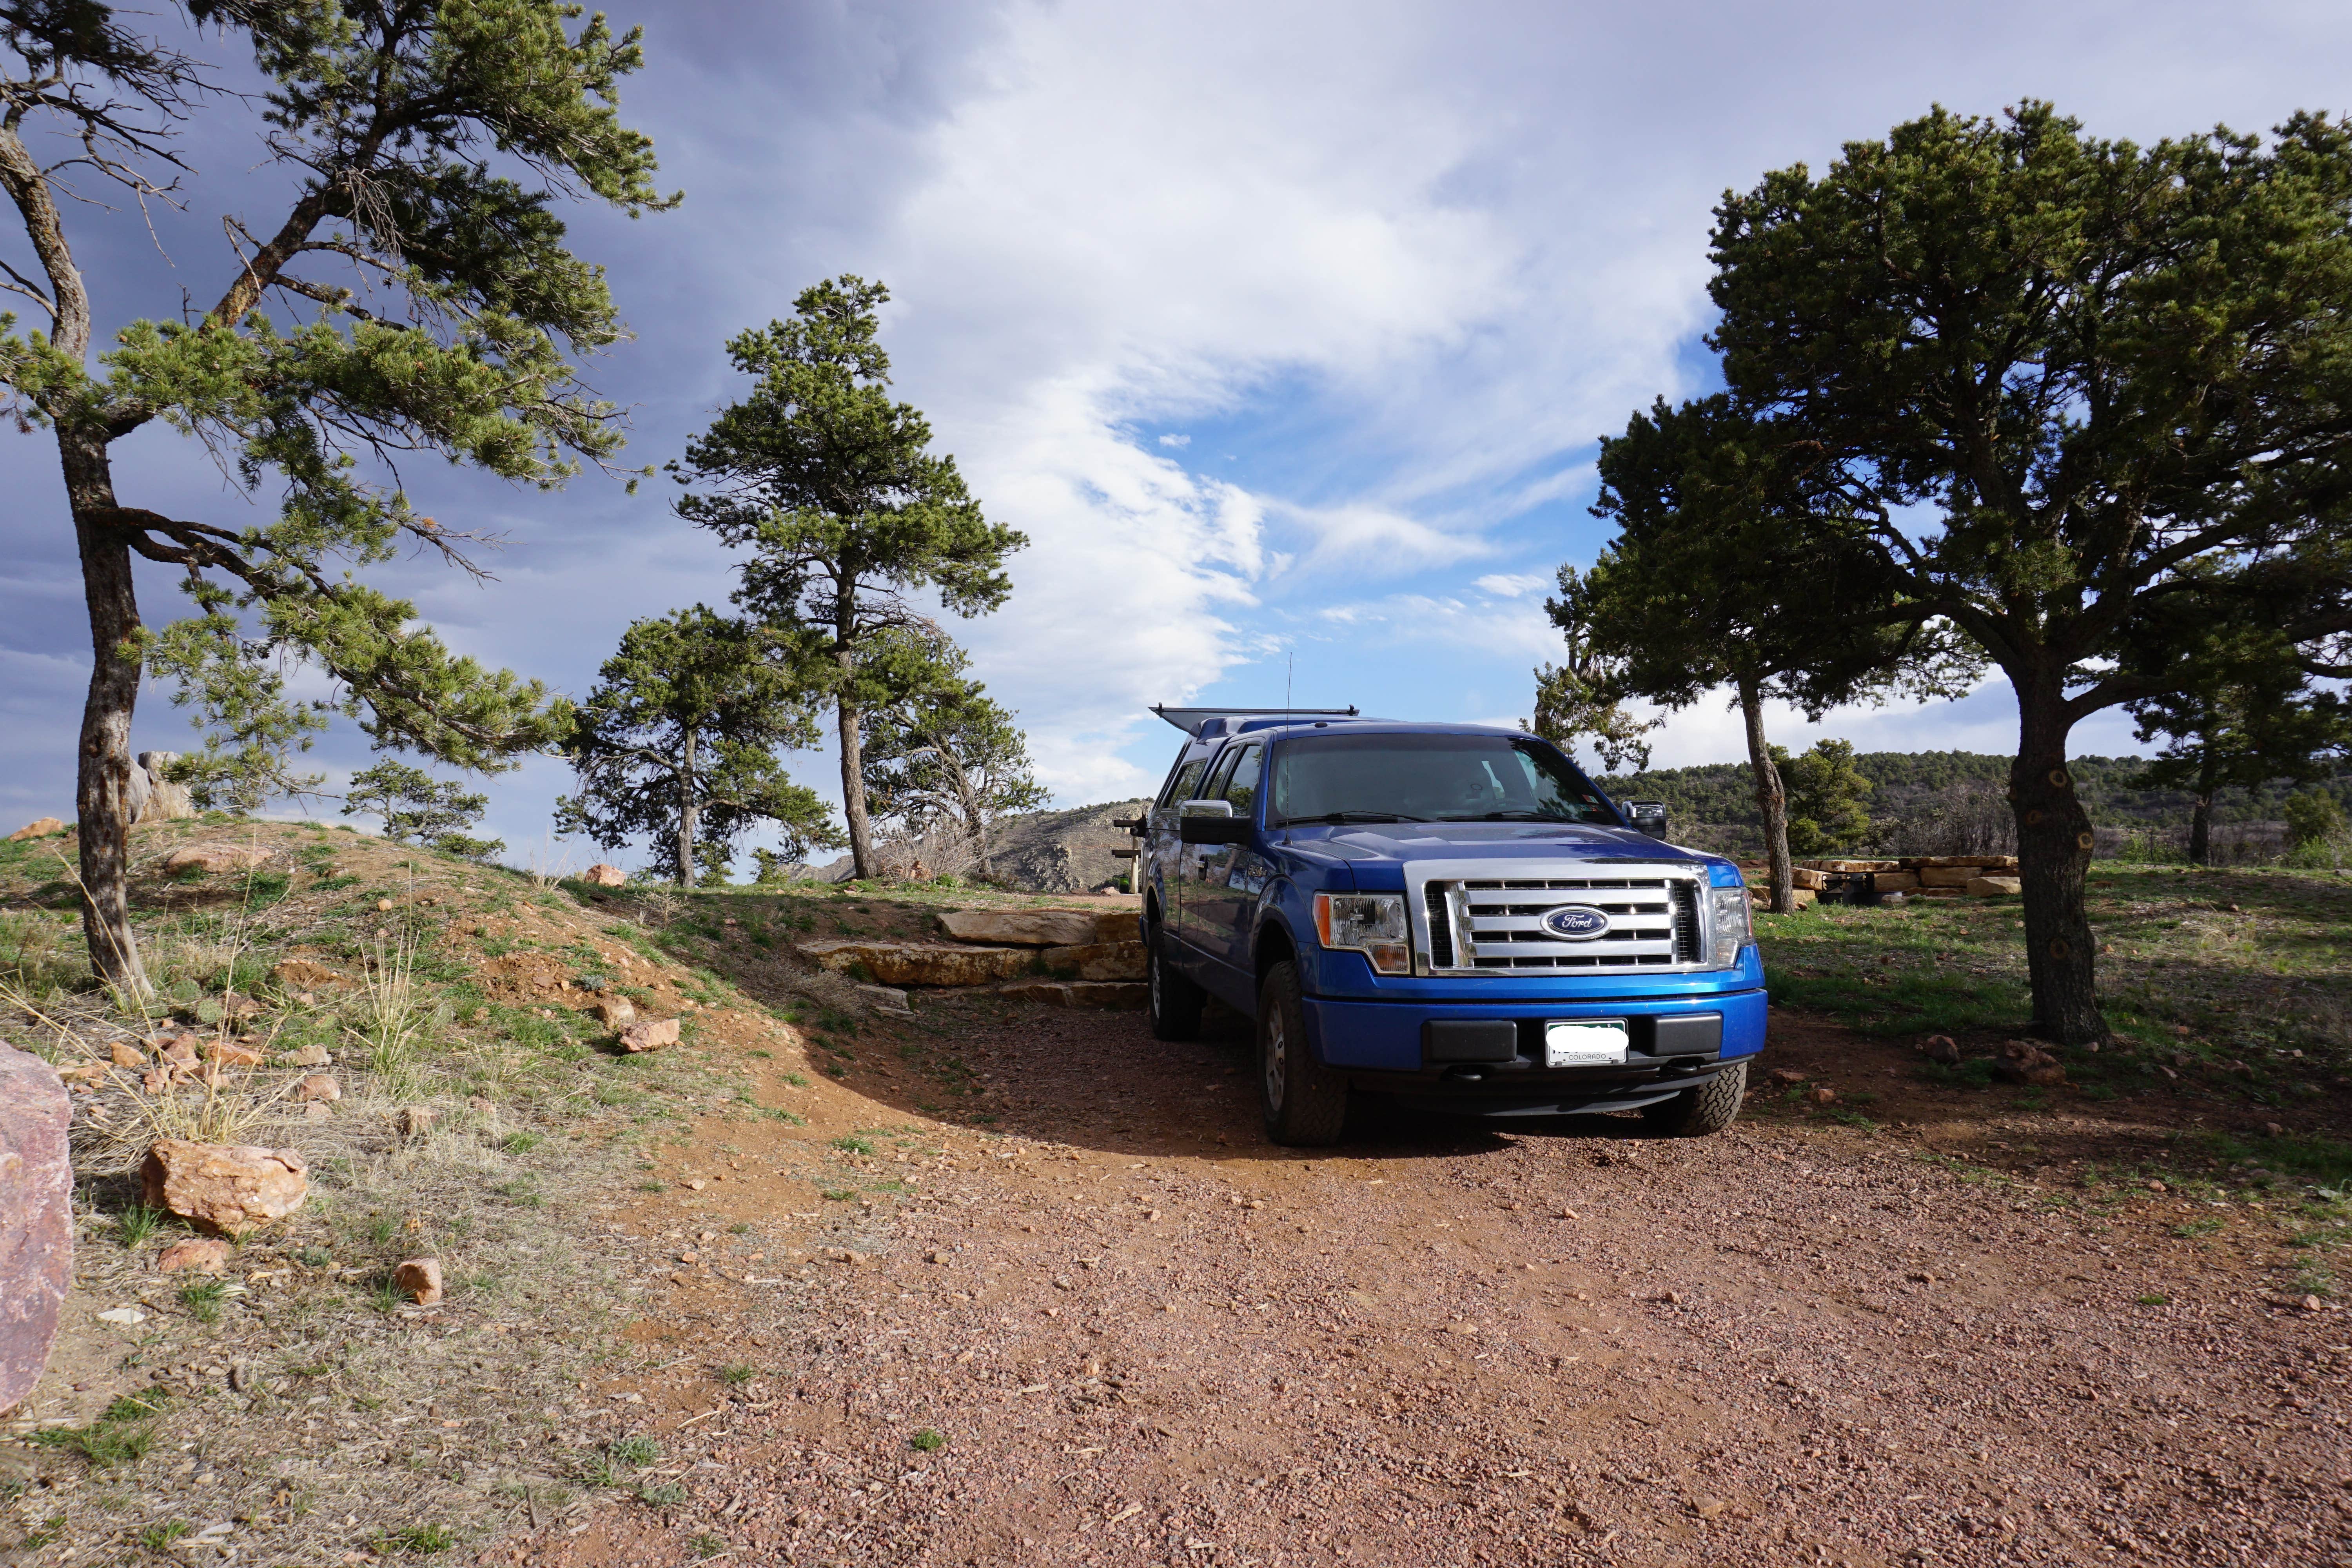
(1147, 1337)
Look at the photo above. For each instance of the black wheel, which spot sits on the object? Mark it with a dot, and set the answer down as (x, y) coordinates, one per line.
(1306, 1103)
(1701, 1111)
(1175, 1001)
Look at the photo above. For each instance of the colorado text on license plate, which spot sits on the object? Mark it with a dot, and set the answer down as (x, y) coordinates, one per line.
(1584, 1045)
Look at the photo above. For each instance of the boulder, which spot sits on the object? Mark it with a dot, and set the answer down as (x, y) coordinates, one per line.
(229, 1188)
(201, 1254)
(1800, 898)
(39, 827)
(886, 999)
(1854, 866)
(918, 963)
(601, 875)
(1969, 862)
(1942, 1049)
(419, 1279)
(1807, 878)
(36, 1217)
(1097, 961)
(214, 859)
(1994, 887)
(154, 797)
(1106, 996)
(2023, 1061)
(653, 1034)
(1894, 881)
(1024, 927)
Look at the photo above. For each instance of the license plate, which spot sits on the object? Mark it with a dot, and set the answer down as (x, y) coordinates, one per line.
(1585, 1045)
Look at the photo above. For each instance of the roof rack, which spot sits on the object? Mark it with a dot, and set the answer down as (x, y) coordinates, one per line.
(1192, 720)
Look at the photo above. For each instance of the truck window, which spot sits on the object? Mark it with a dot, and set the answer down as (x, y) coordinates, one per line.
(1181, 782)
(1241, 785)
(1431, 778)
(1215, 789)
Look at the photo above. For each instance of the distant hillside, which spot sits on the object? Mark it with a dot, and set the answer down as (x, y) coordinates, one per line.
(1920, 796)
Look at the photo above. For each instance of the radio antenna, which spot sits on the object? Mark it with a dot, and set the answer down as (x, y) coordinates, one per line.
(1288, 678)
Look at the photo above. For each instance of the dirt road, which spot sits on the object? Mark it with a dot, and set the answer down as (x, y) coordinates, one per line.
(1147, 1337)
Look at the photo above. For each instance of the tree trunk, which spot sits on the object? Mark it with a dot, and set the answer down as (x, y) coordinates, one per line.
(103, 787)
(2054, 852)
(853, 740)
(2200, 818)
(687, 812)
(1771, 800)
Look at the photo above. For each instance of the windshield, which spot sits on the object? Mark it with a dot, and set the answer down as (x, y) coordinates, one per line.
(1430, 778)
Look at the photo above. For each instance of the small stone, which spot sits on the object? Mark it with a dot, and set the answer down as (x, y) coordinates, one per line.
(2273, 1128)
(1461, 1328)
(1787, 1077)
(127, 1055)
(616, 1012)
(229, 1054)
(205, 1255)
(180, 1051)
(318, 1086)
(1942, 1049)
(224, 1188)
(604, 876)
(383, 906)
(304, 975)
(318, 1110)
(124, 1315)
(311, 1057)
(152, 1084)
(2311, 1303)
(416, 1120)
(420, 1278)
(652, 1035)
(1821, 1094)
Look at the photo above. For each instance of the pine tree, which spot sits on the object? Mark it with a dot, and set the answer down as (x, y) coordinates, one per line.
(413, 805)
(1826, 814)
(944, 755)
(845, 511)
(424, 148)
(678, 743)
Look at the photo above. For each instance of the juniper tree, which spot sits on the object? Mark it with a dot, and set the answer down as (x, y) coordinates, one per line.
(678, 743)
(834, 490)
(1580, 699)
(413, 804)
(2052, 384)
(944, 754)
(430, 305)
(1713, 581)
(1826, 814)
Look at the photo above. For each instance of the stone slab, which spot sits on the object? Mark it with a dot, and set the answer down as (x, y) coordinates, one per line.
(918, 963)
(1994, 887)
(1105, 995)
(1042, 927)
(1097, 961)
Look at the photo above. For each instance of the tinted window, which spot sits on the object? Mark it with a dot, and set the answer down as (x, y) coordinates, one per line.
(1241, 785)
(1179, 786)
(1215, 789)
(1431, 778)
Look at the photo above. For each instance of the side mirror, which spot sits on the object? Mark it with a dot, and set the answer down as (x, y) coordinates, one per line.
(1210, 822)
(1648, 816)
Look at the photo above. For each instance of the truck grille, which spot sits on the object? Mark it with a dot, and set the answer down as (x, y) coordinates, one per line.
(1497, 926)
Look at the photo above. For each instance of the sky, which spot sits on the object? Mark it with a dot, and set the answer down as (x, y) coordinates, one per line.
(1286, 333)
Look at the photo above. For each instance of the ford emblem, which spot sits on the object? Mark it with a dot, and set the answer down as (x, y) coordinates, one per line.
(1575, 922)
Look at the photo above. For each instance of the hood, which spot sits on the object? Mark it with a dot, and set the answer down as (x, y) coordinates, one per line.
(1490, 840)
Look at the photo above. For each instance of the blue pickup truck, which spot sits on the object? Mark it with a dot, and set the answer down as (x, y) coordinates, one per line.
(1449, 915)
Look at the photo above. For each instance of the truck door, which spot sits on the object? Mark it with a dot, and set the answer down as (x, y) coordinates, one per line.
(1165, 872)
(1231, 875)
(1192, 859)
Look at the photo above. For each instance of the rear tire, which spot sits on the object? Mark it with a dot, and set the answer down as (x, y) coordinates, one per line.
(1699, 1112)
(1175, 1001)
(1305, 1102)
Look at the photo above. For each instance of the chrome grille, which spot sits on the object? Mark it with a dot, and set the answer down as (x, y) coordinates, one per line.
(1489, 925)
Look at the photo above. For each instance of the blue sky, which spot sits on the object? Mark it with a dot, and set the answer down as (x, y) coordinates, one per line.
(1280, 329)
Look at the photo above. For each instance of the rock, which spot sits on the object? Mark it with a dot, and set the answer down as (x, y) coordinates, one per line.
(918, 963)
(1969, 862)
(304, 975)
(1894, 881)
(600, 875)
(652, 1035)
(318, 1086)
(1850, 866)
(1098, 960)
(127, 1055)
(1042, 927)
(1806, 877)
(229, 1188)
(420, 1278)
(229, 1054)
(1799, 898)
(154, 797)
(1947, 876)
(84, 1072)
(1942, 1049)
(2023, 1061)
(126, 1316)
(416, 1120)
(180, 1050)
(1785, 1077)
(311, 1057)
(615, 1012)
(216, 858)
(1121, 997)
(36, 1217)
(204, 1255)
(1821, 1094)
(39, 827)
(318, 1110)
(1994, 887)
(886, 999)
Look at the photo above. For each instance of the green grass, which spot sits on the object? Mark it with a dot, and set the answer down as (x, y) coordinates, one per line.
(418, 1540)
(638, 1449)
(204, 1298)
(853, 1145)
(122, 1433)
(738, 1375)
(661, 1494)
(160, 1537)
(927, 1441)
(137, 1224)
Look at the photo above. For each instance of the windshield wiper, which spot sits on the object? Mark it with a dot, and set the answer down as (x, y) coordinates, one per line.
(1513, 816)
(1342, 816)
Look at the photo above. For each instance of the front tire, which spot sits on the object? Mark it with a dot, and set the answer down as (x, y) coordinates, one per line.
(1175, 1001)
(1699, 1112)
(1305, 1102)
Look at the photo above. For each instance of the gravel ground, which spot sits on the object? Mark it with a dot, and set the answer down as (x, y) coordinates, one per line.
(1145, 1336)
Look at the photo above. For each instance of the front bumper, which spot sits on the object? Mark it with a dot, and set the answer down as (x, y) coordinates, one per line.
(1382, 1046)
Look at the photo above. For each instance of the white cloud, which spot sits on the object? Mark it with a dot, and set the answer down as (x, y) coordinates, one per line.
(1512, 585)
(1176, 441)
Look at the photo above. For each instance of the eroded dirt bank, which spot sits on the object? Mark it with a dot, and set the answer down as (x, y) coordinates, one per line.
(1146, 1337)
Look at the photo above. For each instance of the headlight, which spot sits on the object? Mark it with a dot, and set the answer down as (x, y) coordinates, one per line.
(1732, 930)
(1371, 923)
